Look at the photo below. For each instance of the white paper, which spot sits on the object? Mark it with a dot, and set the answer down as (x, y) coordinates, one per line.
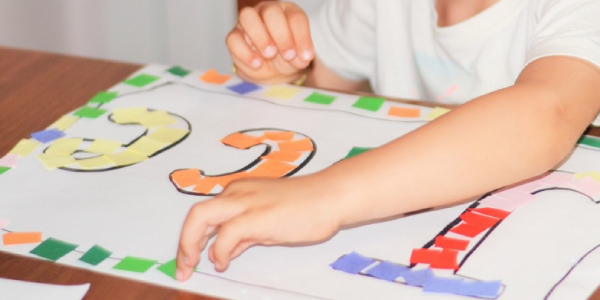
(23, 290)
(137, 211)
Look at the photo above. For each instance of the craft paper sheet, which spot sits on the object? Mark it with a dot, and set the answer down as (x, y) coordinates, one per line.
(544, 248)
(22, 290)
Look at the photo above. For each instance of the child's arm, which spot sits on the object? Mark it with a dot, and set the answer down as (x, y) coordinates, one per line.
(498, 139)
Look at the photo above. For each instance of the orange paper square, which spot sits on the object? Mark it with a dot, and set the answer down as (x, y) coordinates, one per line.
(240, 140)
(206, 185)
(271, 168)
(279, 136)
(225, 180)
(18, 238)
(283, 156)
(296, 146)
(212, 76)
(185, 178)
(404, 112)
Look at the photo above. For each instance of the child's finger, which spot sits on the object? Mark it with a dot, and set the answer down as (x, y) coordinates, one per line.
(279, 30)
(198, 226)
(231, 235)
(300, 28)
(241, 50)
(252, 24)
(241, 248)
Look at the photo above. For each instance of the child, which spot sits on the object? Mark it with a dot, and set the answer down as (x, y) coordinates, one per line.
(527, 70)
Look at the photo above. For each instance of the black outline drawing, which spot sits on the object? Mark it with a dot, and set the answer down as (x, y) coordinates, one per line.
(255, 162)
(489, 231)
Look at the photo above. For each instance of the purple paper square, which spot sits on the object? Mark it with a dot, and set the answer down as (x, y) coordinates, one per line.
(352, 263)
(244, 88)
(482, 289)
(387, 271)
(443, 285)
(46, 136)
(417, 278)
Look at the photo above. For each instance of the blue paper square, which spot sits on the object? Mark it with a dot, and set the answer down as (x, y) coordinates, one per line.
(387, 271)
(46, 136)
(417, 278)
(244, 88)
(443, 285)
(352, 263)
(481, 289)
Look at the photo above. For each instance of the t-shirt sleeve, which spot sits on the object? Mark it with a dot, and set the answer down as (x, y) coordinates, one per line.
(343, 33)
(566, 27)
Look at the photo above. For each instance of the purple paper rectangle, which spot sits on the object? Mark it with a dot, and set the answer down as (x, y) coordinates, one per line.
(352, 263)
(387, 271)
(244, 88)
(481, 289)
(443, 285)
(417, 278)
(46, 136)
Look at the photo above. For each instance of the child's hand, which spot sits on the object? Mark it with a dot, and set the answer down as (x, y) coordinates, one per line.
(258, 211)
(271, 43)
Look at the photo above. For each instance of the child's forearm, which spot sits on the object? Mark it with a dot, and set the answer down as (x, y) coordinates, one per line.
(495, 140)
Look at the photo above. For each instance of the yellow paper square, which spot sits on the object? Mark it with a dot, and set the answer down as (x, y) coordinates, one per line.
(436, 113)
(146, 146)
(282, 92)
(156, 118)
(25, 147)
(53, 161)
(94, 162)
(64, 146)
(102, 146)
(594, 175)
(126, 157)
(167, 134)
(128, 114)
(64, 122)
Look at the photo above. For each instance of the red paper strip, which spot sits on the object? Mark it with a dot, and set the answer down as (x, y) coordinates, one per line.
(448, 260)
(467, 229)
(425, 256)
(494, 212)
(479, 220)
(450, 243)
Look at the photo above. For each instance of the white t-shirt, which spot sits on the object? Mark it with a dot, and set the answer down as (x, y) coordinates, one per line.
(397, 45)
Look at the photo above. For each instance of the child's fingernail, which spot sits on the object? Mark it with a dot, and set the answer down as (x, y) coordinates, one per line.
(179, 275)
(256, 63)
(270, 51)
(290, 54)
(307, 55)
(217, 266)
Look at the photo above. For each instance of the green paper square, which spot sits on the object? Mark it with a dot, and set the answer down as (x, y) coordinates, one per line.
(320, 99)
(103, 97)
(169, 268)
(356, 151)
(141, 80)
(369, 103)
(89, 112)
(4, 170)
(135, 264)
(179, 71)
(589, 141)
(95, 255)
(53, 249)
